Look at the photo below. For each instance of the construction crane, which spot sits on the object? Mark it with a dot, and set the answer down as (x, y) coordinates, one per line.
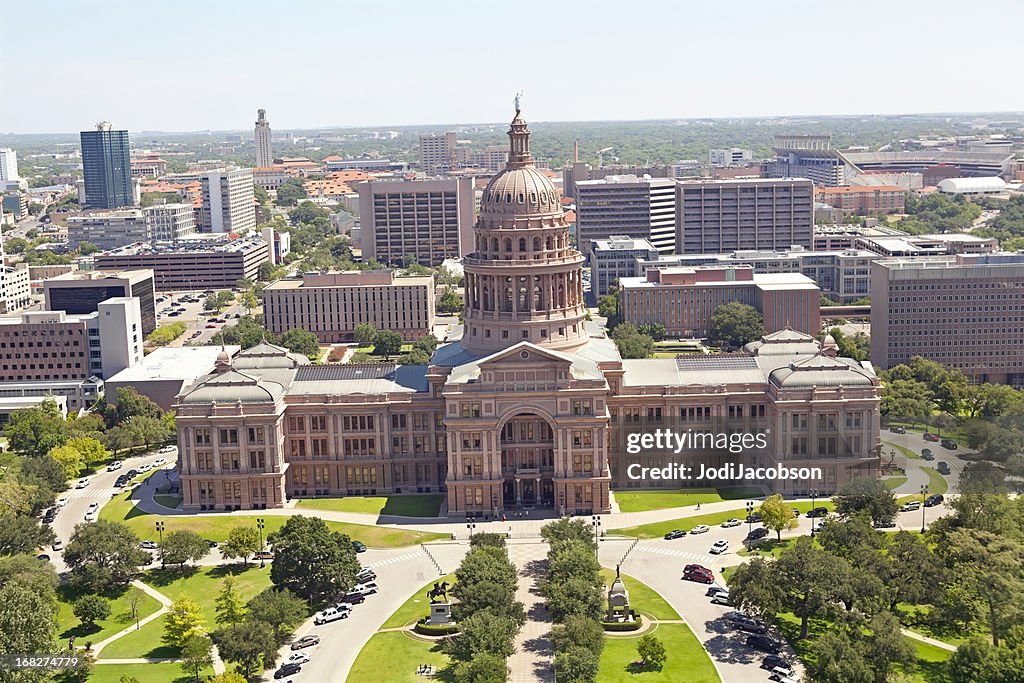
(600, 155)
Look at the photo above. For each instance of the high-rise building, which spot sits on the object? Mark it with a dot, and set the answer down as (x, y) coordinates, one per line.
(81, 291)
(640, 207)
(427, 221)
(168, 222)
(719, 216)
(811, 157)
(616, 258)
(961, 311)
(207, 262)
(331, 305)
(437, 153)
(8, 165)
(107, 167)
(723, 158)
(264, 150)
(228, 201)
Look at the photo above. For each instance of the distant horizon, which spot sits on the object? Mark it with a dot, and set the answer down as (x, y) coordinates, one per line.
(377, 126)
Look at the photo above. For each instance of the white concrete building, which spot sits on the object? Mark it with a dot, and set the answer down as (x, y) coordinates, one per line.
(264, 150)
(170, 221)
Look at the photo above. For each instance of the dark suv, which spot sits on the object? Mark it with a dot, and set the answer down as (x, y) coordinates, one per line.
(950, 444)
(764, 643)
(933, 500)
(818, 512)
(287, 669)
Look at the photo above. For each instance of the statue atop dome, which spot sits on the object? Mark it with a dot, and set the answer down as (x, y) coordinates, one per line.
(517, 98)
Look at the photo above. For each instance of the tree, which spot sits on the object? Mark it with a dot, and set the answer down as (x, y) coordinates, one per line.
(196, 654)
(608, 307)
(886, 646)
(652, 652)
(148, 430)
(104, 554)
(866, 494)
(567, 529)
(574, 596)
(838, 660)
(184, 618)
(578, 630)
(630, 343)
(86, 248)
(483, 668)
(490, 596)
(312, 561)
(734, 324)
(242, 541)
(130, 403)
(91, 608)
(278, 608)
(70, 460)
(23, 534)
(27, 622)
(179, 547)
(777, 516)
(485, 564)
(125, 678)
(577, 664)
(32, 432)
(248, 645)
(364, 333)
(230, 610)
(30, 573)
(482, 632)
(307, 212)
(450, 302)
(301, 341)
(290, 192)
(167, 333)
(228, 677)
(387, 343)
(15, 245)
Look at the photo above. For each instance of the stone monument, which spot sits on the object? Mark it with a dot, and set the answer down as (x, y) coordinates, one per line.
(618, 601)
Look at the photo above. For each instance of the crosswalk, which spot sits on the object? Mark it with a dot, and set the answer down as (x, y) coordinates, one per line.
(396, 559)
(90, 492)
(699, 557)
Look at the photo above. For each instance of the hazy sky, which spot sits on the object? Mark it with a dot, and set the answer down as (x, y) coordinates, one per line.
(209, 64)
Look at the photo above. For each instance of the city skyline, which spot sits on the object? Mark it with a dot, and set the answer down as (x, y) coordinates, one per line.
(718, 59)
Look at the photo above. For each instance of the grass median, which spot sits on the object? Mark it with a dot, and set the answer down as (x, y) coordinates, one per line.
(659, 529)
(426, 505)
(639, 501)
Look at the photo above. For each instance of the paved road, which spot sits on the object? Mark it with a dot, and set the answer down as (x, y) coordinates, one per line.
(659, 564)
(399, 572)
(915, 476)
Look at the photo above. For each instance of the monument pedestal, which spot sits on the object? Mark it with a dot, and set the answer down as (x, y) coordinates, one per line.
(440, 614)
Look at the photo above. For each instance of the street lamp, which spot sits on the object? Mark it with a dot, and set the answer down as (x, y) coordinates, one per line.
(561, 503)
(814, 496)
(260, 524)
(471, 524)
(160, 530)
(750, 517)
(924, 495)
(596, 521)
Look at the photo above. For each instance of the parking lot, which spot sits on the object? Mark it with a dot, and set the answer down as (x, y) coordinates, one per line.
(187, 307)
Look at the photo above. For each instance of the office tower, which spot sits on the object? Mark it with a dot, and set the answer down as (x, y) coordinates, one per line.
(616, 258)
(437, 153)
(81, 291)
(264, 151)
(107, 168)
(8, 165)
(723, 158)
(331, 305)
(720, 216)
(228, 201)
(640, 207)
(961, 311)
(427, 221)
(168, 222)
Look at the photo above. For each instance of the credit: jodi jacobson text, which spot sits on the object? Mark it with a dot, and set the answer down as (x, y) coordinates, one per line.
(730, 471)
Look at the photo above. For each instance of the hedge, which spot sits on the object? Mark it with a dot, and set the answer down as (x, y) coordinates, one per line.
(426, 629)
(623, 625)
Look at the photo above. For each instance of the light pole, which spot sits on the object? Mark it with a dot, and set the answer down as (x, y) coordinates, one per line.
(160, 530)
(750, 517)
(260, 525)
(814, 496)
(924, 495)
(596, 520)
(561, 503)
(471, 524)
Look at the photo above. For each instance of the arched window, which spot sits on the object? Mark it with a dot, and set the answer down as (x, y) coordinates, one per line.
(536, 244)
(507, 303)
(538, 301)
(550, 243)
(522, 244)
(508, 245)
(494, 245)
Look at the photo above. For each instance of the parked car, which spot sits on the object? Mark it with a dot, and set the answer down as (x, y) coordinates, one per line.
(910, 506)
(943, 467)
(755, 534)
(715, 590)
(145, 468)
(93, 507)
(263, 555)
(721, 599)
(928, 436)
(898, 430)
(287, 669)
(674, 534)
(91, 516)
(366, 574)
(332, 614)
(933, 500)
(731, 522)
(818, 512)
(751, 626)
(772, 661)
(58, 545)
(365, 588)
(116, 465)
(719, 546)
(43, 558)
(159, 461)
(927, 454)
(306, 641)
(950, 444)
(299, 658)
(763, 643)
(352, 598)
(754, 518)
(168, 449)
(148, 545)
(884, 524)
(82, 483)
(796, 512)
(700, 529)
(701, 575)
(50, 515)
(818, 526)
(695, 567)
(358, 546)
(62, 501)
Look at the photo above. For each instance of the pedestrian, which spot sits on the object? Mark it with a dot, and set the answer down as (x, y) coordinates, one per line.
(698, 505)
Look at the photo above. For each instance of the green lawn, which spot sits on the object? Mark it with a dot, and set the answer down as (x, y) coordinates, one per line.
(202, 585)
(642, 597)
(894, 482)
(416, 606)
(659, 529)
(394, 657)
(687, 660)
(931, 664)
(167, 501)
(425, 505)
(163, 672)
(936, 482)
(638, 501)
(913, 455)
(768, 547)
(217, 527)
(119, 619)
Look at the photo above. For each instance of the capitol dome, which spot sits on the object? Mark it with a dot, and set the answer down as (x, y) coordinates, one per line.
(520, 189)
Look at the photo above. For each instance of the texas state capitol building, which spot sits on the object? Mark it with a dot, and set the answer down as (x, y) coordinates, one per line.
(520, 412)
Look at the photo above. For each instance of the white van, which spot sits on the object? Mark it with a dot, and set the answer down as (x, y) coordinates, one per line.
(332, 614)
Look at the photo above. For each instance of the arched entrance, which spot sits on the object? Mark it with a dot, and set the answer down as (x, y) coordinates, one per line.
(527, 461)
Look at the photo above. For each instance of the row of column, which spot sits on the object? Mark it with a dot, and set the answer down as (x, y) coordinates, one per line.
(528, 294)
(523, 246)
